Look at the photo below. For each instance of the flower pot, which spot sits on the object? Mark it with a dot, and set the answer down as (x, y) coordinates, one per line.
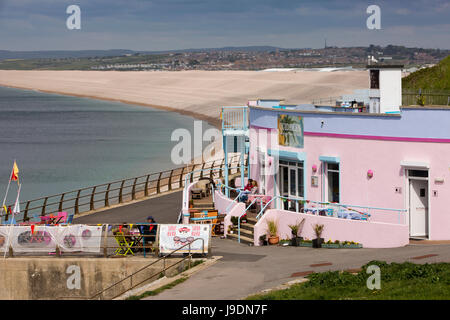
(352, 246)
(274, 240)
(305, 244)
(317, 243)
(296, 241)
(331, 245)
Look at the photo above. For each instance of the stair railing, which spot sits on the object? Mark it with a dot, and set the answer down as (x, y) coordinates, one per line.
(243, 213)
(132, 286)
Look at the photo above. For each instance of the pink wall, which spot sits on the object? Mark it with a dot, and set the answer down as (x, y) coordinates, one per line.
(369, 234)
(357, 156)
(221, 203)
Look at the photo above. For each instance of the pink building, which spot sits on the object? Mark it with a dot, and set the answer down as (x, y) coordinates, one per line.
(391, 170)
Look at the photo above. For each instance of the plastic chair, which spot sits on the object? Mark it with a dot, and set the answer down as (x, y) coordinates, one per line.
(124, 245)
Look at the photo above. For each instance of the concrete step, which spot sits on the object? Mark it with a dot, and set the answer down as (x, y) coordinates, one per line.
(244, 239)
(246, 232)
(251, 221)
(204, 206)
(247, 226)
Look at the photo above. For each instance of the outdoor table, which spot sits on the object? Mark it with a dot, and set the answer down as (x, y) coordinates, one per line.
(315, 211)
(353, 215)
(136, 236)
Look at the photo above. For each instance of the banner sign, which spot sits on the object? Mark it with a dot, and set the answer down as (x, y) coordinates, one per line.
(290, 131)
(174, 236)
(37, 238)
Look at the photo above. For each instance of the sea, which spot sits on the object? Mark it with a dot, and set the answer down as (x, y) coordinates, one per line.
(62, 143)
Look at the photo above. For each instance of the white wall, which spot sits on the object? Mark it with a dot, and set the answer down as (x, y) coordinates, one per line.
(390, 90)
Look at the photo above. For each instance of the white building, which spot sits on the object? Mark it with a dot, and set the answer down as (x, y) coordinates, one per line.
(385, 88)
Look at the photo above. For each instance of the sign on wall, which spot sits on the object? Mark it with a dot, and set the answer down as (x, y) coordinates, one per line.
(290, 131)
(174, 236)
(73, 238)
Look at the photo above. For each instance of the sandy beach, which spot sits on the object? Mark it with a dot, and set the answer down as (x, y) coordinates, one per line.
(196, 93)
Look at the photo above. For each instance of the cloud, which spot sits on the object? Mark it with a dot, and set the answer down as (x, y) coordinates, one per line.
(176, 24)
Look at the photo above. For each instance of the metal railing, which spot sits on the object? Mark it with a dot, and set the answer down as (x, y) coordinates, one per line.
(425, 97)
(69, 246)
(328, 205)
(245, 211)
(117, 192)
(235, 117)
(329, 101)
(210, 173)
(165, 268)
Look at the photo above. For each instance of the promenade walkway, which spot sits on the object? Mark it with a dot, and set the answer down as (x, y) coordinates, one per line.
(246, 270)
(164, 209)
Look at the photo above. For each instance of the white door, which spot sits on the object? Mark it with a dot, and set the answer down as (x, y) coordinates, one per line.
(291, 185)
(418, 208)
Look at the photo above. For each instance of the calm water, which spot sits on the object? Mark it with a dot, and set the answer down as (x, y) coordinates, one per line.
(63, 143)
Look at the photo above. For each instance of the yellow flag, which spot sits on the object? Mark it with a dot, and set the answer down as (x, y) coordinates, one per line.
(15, 173)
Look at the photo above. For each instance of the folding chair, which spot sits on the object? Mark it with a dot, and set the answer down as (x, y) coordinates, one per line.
(124, 245)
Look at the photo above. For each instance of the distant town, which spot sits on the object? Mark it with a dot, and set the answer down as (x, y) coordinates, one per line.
(244, 58)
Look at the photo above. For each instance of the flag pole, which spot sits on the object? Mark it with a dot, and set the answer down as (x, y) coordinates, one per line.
(16, 206)
(6, 195)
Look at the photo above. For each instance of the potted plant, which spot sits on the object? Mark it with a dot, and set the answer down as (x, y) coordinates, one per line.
(331, 244)
(234, 220)
(318, 229)
(295, 230)
(272, 228)
(351, 245)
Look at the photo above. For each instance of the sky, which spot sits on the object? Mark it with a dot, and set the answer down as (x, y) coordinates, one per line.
(146, 25)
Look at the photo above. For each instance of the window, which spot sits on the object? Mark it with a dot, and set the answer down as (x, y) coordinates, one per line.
(333, 182)
(418, 173)
(374, 79)
(262, 172)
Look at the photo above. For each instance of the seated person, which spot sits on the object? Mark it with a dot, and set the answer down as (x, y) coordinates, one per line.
(254, 187)
(149, 230)
(253, 190)
(247, 189)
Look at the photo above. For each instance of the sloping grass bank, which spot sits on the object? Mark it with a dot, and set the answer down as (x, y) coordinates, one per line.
(403, 281)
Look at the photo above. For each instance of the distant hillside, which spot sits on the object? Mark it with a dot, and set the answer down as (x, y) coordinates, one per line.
(64, 54)
(434, 78)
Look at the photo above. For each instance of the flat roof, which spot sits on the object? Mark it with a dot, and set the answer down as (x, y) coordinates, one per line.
(384, 66)
(351, 114)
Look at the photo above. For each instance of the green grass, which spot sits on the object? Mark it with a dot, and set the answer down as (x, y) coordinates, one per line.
(193, 264)
(159, 290)
(436, 78)
(403, 281)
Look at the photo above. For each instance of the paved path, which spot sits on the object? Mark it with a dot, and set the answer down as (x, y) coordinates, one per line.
(245, 270)
(164, 209)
